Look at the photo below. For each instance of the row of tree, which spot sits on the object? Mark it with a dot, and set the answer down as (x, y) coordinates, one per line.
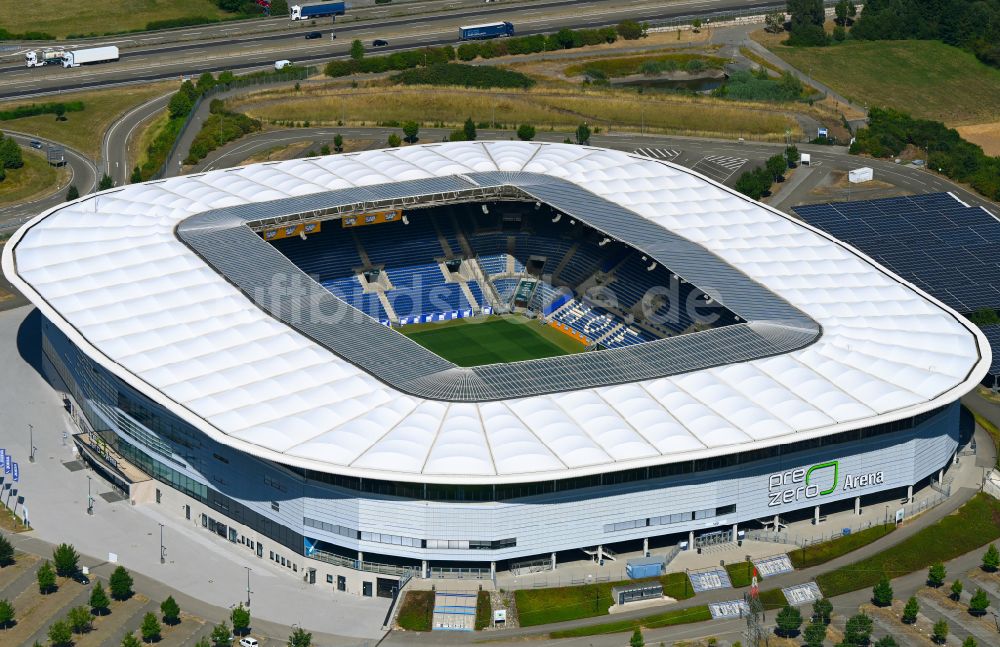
(10, 155)
(756, 183)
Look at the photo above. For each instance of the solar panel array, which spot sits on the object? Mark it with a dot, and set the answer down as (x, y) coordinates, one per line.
(949, 250)
(992, 333)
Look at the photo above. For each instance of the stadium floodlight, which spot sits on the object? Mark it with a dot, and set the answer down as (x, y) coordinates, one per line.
(538, 205)
(302, 234)
(557, 218)
(572, 222)
(651, 267)
(486, 209)
(604, 242)
(406, 220)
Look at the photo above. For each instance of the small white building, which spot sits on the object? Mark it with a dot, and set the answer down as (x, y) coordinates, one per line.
(859, 175)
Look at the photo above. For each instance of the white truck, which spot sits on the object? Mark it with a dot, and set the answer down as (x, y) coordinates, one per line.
(71, 57)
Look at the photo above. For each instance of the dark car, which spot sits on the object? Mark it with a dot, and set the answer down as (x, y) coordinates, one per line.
(81, 577)
(313, 35)
(34, 143)
(380, 43)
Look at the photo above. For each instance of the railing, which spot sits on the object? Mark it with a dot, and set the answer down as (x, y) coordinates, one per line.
(460, 573)
(531, 566)
(368, 567)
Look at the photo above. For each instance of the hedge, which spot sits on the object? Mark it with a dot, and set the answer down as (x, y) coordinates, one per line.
(33, 109)
(470, 76)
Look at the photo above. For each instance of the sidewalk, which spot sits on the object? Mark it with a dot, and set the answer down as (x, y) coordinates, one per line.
(202, 571)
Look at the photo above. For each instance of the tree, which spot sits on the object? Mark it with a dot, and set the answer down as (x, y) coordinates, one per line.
(939, 633)
(60, 634)
(978, 603)
(911, 610)
(858, 630)
(792, 156)
(241, 619)
(66, 559)
(73, 193)
(822, 609)
(583, 134)
(105, 183)
(357, 49)
(6, 614)
(839, 33)
(300, 638)
(754, 184)
(525, 132)
(171, 611)
(631, 30)
(79, 620)
(807, 22)
(338, 143)
(179, 106)
(815, 634)
(46, 578)
(99, 601)
(788, 621)
(936, 574)
(10, 154)
(221, 636)
(150, 628)
(774, 22)
(637, 640)
(956, 590)
(130, 641)
(394, 141)
(324, 149)
(841, 10)
(205, 82)
(469, 130)
(6, 552)
(969, 642)
(120, 584)
(60, 110)
(991, 560)
(410, 129)
(776, 167)
(696, 24)
(136, 176)
(882, 593)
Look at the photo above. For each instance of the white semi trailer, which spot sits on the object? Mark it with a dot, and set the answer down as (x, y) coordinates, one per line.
(71, 57)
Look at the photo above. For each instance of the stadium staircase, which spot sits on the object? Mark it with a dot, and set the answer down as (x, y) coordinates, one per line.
(565, 260)
(601, 552)
(390, 312)
(470, 297)
(460, 238)
(361, 250)
(490, 295)
(445, 245)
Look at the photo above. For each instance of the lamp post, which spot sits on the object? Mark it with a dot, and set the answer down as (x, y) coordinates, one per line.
(248, 585)
(31, 443)
(163, 551)
(90, 499)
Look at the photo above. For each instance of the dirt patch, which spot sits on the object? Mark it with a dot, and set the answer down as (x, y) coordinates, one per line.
(986, 135)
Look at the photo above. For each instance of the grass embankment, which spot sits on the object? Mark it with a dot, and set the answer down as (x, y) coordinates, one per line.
(35, 179)
(545, 606)
(740, 574)
(925, 78)
(973, 525)
(992, 430)
(101, 17)
(554, 109)
(84, 130)
(772, 599)
(698, 613)
(474, 342)
(817, 554)
(417, 612)
(484, 610)
(626, 65)
(144, 135)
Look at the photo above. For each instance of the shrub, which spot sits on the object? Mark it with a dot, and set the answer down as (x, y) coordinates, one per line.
(66, 560)
(31, 110)
(814, 634)
(411, 129)
(991, 560)
(858, 630)
(79, 620)
(72, 193)
(822, 609)
(394, 141)
(60, 634)
(936, 574)
(6, 549)
(470, 76)
(150, 628)
(99, 601)
(939, 633)
(526, 132)
(469, 130)
(220, 129)
(171, 611)
(6, 614)
(978, 603)
(46, 577)
(910, 611)
(10, 154)
(631, 30)
(120, 583)
(788, 621)
(956, 590)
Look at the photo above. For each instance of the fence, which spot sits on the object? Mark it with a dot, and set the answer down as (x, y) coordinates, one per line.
(731, 15)
(441, 573)
(295, 74)
(368, 567)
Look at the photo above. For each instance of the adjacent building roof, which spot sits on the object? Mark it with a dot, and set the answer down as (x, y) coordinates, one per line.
(111, 272)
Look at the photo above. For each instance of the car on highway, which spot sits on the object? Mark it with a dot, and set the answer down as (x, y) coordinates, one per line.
(34, 143)
(282, 64)
(313, 35)
(380, 43)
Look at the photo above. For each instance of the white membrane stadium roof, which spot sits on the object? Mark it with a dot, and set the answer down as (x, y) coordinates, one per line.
(109, 271)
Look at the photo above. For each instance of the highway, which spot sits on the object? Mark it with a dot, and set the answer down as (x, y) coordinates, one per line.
(174, 59)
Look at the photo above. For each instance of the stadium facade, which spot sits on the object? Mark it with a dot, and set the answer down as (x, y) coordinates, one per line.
(286, 415)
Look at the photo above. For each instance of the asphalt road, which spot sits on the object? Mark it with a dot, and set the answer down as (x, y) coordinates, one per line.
(171, 59)
(114, 147)
(83, 173)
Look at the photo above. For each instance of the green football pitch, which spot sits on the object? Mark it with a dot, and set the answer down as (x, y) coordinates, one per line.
(474, 342)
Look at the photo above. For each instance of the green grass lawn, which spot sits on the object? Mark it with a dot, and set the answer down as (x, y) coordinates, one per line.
(970, 527)
(772, 599)
(925, 78)
(33, 180)
(698, 613)
(824, 552)
(55, 17)
(474, 342)
(627, 65)
(417, 611)
(484, 610)
(740, 573)
(545, 606)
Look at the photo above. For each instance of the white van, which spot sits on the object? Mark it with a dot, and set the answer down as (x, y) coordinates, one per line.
(282, 64)
(248, 642)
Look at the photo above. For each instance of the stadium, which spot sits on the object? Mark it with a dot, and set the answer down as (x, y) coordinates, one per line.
(477, 354)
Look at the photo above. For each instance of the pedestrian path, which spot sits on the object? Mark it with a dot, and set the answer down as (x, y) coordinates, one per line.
(719, 167)
(454, 611)
(666, 154)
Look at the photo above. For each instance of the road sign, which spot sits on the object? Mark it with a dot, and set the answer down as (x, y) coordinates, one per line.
(17, 474)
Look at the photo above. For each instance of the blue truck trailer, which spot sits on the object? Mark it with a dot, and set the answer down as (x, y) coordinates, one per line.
(484, 32)
(317, 10)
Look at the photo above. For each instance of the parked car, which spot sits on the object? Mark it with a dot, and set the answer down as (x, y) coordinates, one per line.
(380, 43)
(34, 143)
(81, 577)
(313, 35)
(249, 642)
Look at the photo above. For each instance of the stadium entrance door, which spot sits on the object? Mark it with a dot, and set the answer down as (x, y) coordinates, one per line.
(713, 538)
